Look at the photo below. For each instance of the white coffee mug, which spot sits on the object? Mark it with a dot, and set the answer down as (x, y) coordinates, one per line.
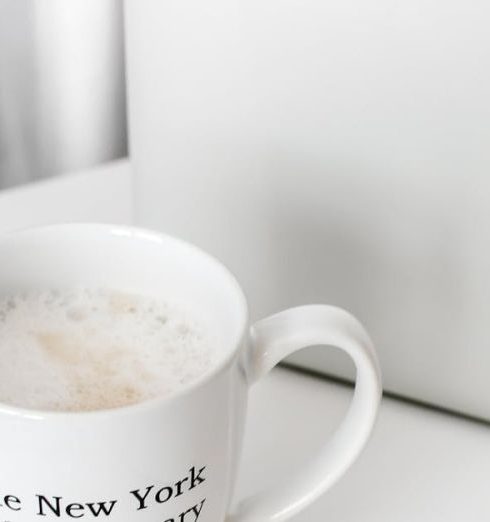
(169, 459)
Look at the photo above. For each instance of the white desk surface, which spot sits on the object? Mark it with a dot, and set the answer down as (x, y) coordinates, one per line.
(101, 194)
(419, 466)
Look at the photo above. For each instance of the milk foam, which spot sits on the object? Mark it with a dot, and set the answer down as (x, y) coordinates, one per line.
(94, 349)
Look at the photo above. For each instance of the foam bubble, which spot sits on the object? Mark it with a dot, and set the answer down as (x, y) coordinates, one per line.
(93, 349)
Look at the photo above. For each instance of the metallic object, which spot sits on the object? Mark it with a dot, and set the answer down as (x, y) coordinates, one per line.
(62, 95)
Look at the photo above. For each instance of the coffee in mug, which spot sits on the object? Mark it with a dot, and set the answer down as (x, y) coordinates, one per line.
(91, 349)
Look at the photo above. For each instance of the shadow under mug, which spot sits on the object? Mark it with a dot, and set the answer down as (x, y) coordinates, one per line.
(171, 458)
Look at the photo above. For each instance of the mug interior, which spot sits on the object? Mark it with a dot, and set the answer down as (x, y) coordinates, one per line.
(132, 260)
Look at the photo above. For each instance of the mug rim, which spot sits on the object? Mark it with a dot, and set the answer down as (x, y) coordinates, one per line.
(139, 234)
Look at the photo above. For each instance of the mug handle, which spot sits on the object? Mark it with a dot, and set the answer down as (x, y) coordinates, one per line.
(273, 339)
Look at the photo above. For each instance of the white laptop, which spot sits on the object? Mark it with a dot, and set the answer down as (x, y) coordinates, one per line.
(330, 152)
